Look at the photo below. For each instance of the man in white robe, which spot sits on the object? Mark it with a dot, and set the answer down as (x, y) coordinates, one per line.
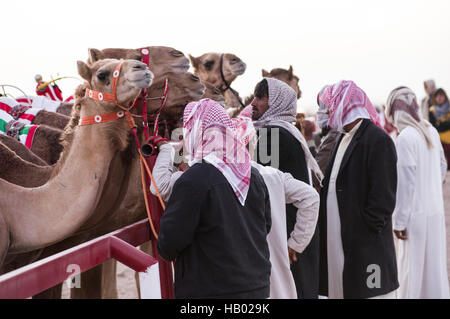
(419, 219)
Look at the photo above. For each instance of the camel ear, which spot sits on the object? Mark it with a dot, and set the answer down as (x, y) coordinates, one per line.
(84, 71)
(265, 73)
(290, 72)
(94, 55)
(194, 61)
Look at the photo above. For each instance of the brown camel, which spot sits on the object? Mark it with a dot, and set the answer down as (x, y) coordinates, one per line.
(21, 150)
(207, 67)
(33, 218)
(19, 172)
(214, 94)
(46, 144)
(163, 60)
(52, 119)
(183, 88)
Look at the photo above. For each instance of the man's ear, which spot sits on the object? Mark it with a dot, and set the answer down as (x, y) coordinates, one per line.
(84, 71)
(194, 61)
(290, 72)
(265, 73)
(94, 55)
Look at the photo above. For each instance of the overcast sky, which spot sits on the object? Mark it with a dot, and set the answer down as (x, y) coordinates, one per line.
(379, 44)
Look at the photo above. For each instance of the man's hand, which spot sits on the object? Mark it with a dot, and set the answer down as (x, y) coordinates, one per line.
(292, 255)
(401, 234)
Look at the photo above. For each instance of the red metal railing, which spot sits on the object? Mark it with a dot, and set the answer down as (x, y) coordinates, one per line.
(120, 245)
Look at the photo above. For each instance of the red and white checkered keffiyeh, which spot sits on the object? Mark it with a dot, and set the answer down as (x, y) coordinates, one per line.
(347, 103)
(210, 135)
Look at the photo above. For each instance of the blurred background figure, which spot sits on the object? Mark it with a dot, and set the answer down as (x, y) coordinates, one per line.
(50, 91)
(440, 118)
(427, 101)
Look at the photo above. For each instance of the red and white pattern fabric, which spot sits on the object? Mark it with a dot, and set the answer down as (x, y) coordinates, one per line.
(39, 102)
(27, 114)
(211, 135)
(347, 103)
(52, 92)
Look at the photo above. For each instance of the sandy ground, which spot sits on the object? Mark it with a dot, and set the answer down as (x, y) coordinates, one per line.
(127, 286)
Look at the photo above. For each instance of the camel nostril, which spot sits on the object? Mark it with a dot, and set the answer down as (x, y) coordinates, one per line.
(139, 67)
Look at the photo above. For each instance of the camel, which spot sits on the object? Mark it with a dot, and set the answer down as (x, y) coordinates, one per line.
(183, 88)
(20, 172)
(21, 150)
(163, 60)
(286, 76)
(45, 143)
(208, 68)
(80, 176)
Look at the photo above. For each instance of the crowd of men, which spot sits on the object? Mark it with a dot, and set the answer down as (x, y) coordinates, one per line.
(246, 220)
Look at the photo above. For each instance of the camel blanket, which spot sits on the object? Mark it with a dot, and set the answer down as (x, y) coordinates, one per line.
(19, 112)
(24, 134)
(39, 102)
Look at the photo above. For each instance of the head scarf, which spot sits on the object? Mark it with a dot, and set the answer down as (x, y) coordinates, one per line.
(402, 110)
(322, 115)
(430, 86)
(210, 135)
(282, 112)
(347, 103)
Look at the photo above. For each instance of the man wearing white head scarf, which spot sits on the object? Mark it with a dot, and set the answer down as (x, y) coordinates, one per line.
(281, 145)
(419, 219)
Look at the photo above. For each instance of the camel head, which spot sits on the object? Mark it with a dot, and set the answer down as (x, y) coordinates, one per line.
(207, 68)
(134, 76)
(286, 76)
(163, 60)
(183, 88)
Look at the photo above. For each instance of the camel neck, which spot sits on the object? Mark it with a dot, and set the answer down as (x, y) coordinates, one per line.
(40, 216)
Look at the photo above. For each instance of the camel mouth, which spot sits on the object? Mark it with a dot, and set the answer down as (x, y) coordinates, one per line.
(181, 68)
(141, 79)
(239, 69)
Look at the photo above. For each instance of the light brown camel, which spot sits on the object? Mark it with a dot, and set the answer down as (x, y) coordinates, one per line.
(214, 94)
(207, 67)
(183, 88)
(32, 218)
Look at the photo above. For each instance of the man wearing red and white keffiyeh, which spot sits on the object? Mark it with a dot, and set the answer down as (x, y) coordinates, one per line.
(218, 214)
(357, 200)
(211, 136)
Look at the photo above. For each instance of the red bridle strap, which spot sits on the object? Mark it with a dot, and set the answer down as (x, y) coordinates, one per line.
(108, 97)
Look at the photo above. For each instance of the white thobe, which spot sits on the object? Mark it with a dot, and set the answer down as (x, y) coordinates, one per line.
(283, 189)
(422, 258)
(335, 252)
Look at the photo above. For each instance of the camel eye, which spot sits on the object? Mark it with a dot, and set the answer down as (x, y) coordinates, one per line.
(208, 65)
(102, 76)
(195, 78)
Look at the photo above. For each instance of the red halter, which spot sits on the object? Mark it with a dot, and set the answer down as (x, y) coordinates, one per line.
(108, 97)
